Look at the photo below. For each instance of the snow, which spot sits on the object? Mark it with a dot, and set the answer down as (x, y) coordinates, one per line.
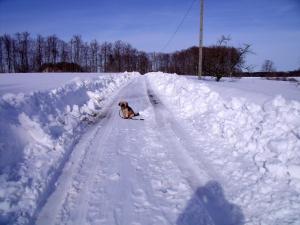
(29, 82)
(38, 132)
(255, 89)
(257, 145)
(207, 153)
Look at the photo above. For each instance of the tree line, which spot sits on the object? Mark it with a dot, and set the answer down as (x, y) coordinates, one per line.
(22, 53)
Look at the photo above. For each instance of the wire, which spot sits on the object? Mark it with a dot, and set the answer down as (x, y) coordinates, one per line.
(179, 25)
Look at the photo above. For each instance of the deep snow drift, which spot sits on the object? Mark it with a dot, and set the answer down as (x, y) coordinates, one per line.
(256, 147)
(38, 132)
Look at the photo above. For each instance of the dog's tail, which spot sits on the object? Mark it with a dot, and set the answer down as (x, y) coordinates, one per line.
(136, 114)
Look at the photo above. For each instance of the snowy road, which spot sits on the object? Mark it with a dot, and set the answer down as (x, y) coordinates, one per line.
(138, 172)
(203, 155)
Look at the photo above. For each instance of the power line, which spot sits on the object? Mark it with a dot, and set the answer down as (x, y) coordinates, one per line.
(179, 25)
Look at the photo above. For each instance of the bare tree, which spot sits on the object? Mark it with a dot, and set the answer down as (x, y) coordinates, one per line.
(25, 51)
(76, 45)
(268, 66)
(233, 59)
(240, 64)
(64, 51)
(224, 40)
(107, 58)
(94, 48)
(21, 47)
(39, 52)
(2, 62)
(154, 61)
(143, 62)
(52, 48)
(117, 50)
(51, 51)
(85, 56)
(8, 52)
(164, 62)
(129, 57)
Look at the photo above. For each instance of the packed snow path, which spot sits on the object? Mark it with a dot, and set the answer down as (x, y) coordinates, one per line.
(138, 172)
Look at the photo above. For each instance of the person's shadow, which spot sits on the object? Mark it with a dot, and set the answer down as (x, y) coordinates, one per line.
(208, 206)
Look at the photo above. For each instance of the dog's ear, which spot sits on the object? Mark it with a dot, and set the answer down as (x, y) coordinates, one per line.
(119, 104)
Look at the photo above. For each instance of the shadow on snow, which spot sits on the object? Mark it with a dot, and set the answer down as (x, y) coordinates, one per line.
(208, 206)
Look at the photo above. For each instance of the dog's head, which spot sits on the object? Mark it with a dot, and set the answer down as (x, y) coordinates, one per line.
(123, 104)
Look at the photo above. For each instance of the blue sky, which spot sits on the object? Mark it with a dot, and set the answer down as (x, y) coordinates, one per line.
(272, 27)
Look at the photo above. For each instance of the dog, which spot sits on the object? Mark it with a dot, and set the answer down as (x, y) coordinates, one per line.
(127, 111)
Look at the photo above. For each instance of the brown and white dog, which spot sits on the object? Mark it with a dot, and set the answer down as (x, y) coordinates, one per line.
(127, 111)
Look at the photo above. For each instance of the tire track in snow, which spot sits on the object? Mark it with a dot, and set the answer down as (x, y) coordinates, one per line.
(65, 185)
(128, 198)
(88, 171)
(58, 202)
(181, 144)
(209, 201)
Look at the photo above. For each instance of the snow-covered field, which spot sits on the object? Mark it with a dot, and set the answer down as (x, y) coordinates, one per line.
(258, 90)
(206, 153)
(29, 82)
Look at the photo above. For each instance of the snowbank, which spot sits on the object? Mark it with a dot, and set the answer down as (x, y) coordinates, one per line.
(266, 137)
(37, 133)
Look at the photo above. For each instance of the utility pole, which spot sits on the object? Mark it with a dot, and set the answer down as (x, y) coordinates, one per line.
(200, 39)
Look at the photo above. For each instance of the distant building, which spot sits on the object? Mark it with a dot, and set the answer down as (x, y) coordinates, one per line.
(60, 67)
